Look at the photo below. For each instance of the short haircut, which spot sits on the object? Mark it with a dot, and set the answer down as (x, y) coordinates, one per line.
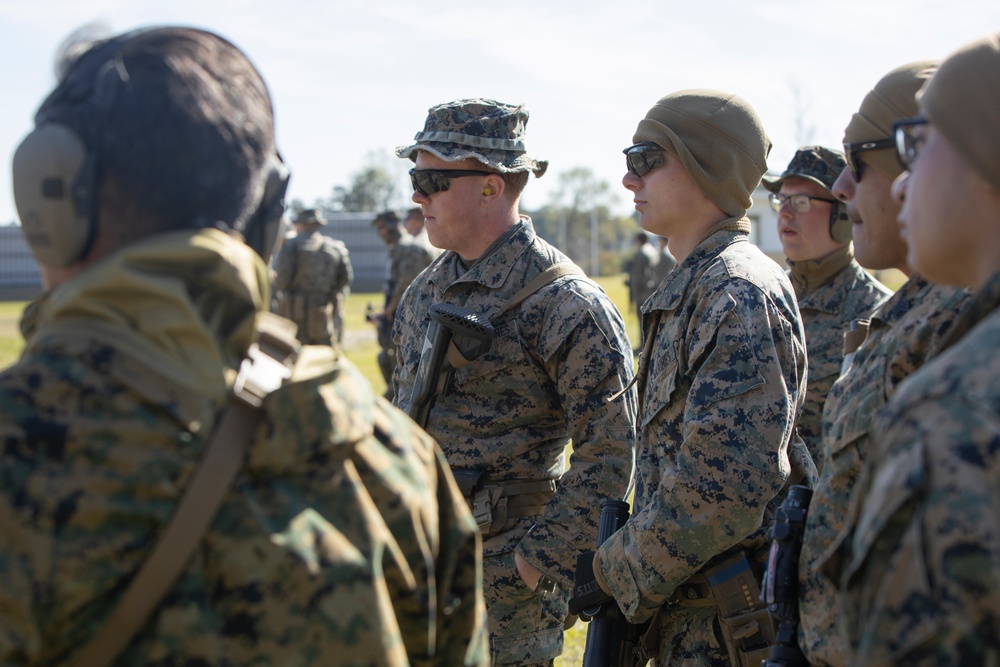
(515, 182)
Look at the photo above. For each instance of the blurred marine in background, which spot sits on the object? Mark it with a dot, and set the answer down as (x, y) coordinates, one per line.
(313, 274)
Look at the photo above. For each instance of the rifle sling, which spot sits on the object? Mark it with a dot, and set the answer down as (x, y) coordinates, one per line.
(550, 274)
(554, 272)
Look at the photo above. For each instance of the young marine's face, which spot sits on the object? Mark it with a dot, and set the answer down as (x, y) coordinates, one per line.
(414, 224)
(944, 205)
(877, 242)
(450, 216)
(665, 197)
(806, 236)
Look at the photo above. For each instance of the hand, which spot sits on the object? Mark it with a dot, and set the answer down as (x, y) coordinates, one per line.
(587, 593)
(528, 573)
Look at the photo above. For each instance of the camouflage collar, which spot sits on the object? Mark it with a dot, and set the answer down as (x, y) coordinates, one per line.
(721, 236)
(493, 268)
(983, 303)
(809, 275)
(183, 304)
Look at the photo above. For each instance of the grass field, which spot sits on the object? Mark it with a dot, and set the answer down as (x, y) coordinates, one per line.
(360, 344)
(361, 347)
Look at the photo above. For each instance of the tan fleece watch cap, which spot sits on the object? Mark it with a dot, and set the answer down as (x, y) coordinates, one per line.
(961, 100)
(719, 139)
(892, 99)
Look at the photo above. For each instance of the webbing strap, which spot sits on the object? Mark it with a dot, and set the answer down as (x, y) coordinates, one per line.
(268, 364)
(550, 274)
(179, 540)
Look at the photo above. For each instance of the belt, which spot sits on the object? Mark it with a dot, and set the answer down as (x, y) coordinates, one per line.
(495, 505)
(695, 592)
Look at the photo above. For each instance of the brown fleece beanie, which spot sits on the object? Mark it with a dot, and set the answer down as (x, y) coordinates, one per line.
(890, 100)
(961, 101)
(718, 138)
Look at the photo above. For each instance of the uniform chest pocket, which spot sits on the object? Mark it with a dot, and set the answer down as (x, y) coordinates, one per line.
(889, 570)
(505, 368)
(659, 390)
(855, 415)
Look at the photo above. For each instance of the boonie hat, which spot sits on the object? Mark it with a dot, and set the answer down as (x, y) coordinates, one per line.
(813, 163)
(386, 218)
(489, 131)
(310, 216)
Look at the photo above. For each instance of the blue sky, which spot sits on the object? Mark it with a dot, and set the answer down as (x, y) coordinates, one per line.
(353, 79)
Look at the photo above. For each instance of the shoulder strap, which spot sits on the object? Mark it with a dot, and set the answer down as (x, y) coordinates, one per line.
(268, 364)
(547, 276)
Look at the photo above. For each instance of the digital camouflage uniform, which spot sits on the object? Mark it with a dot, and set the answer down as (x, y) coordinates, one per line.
(832, 293)
(923, 585)
(902, 336)
(718, 394)
(642, 276)
(664, 265)
(408, 256)
(343, 542)
(555, 362)
(312, 273)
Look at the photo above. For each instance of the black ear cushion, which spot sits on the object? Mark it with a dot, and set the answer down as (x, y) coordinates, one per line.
(261, 230)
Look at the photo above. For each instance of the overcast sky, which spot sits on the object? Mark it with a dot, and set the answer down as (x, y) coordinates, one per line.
(354, 78)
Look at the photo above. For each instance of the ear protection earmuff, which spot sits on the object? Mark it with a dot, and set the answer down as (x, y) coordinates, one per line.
(840, 224)
(53, 182)
(55, 171)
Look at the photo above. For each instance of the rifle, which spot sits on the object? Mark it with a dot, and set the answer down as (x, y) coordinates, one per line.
(781, 582)
(611, 640)
(382, 328)
(456, 336)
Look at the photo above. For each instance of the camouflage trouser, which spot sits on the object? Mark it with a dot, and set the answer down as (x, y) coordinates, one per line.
(525, 629)
(690, 638)
(314, 313)
(387, 364)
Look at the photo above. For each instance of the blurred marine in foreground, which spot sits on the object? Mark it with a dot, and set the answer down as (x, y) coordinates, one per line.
(923, 583)
(150, 192)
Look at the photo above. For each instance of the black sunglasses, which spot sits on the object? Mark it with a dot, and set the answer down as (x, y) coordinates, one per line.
(851, 153)
(431, 181)
(908, 144)
(643, 158)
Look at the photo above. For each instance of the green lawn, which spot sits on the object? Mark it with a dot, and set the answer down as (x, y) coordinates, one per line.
(361, 348)
(360, 344)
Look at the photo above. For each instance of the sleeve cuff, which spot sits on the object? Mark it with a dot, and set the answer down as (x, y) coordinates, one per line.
(550, 554)
(599, 574)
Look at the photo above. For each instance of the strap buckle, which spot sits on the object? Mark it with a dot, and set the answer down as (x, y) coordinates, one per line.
(269, 360)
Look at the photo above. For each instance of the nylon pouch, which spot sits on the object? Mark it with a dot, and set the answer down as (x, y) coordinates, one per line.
(747, 627)
(481, 499)
(748, 637)
(468, 479)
